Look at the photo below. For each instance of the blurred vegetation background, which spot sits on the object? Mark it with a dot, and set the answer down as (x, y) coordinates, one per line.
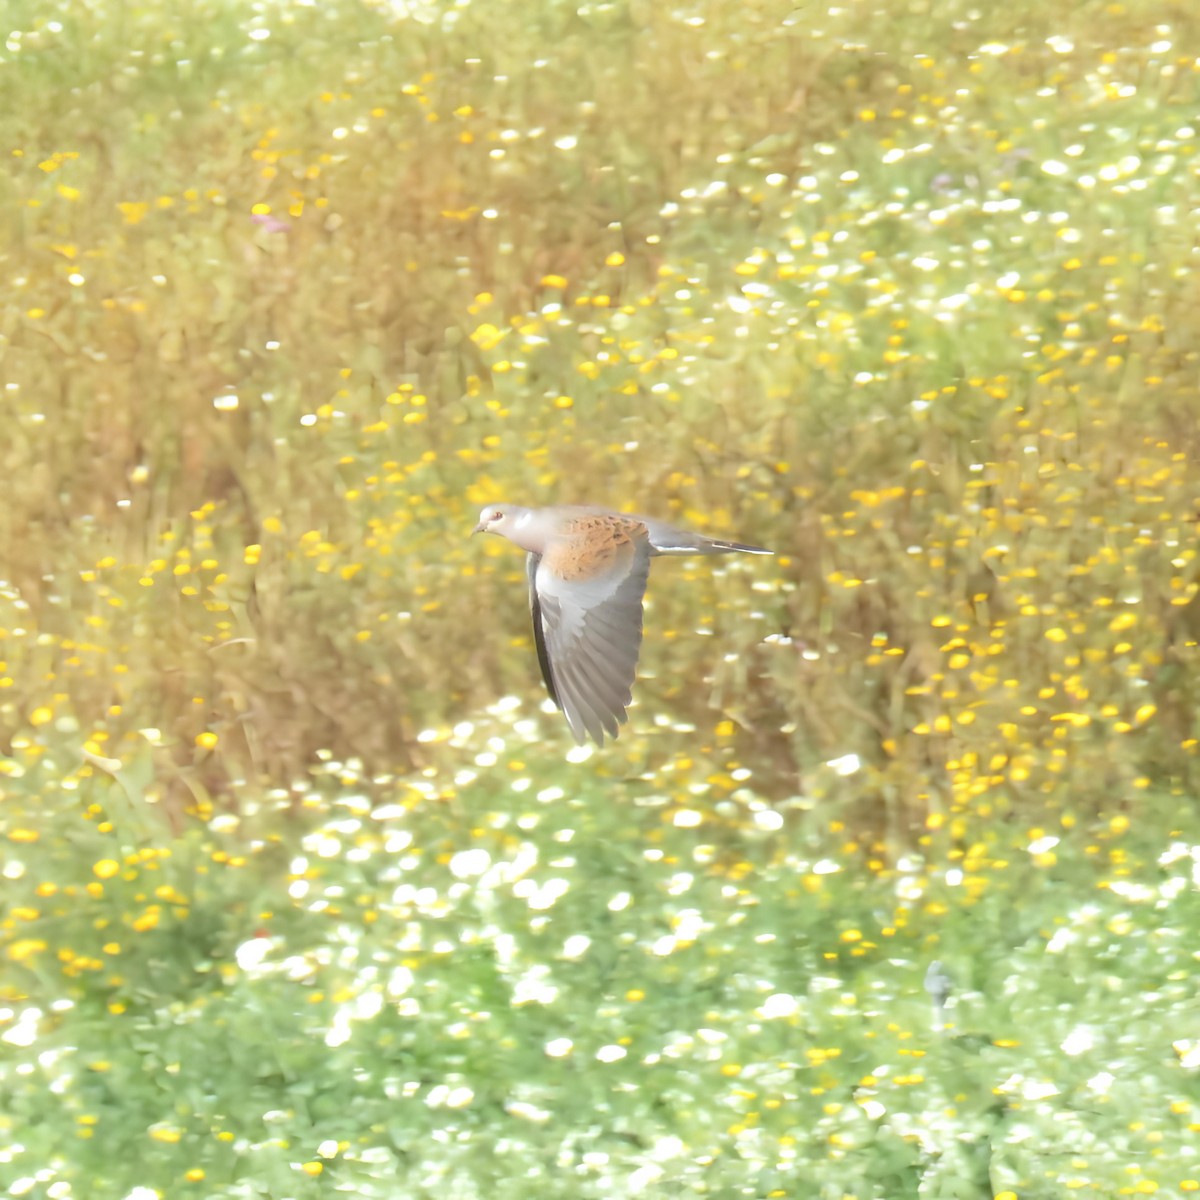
(305, 885)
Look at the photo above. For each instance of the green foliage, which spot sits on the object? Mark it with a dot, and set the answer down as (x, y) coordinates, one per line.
(291, 292)
(492, 988)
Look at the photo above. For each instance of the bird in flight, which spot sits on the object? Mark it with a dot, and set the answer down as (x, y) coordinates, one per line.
(587, 571)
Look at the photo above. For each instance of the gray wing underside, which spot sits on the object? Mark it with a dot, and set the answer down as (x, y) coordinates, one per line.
(588, 637)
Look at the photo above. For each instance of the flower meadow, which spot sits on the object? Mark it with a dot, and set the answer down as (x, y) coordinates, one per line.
(891, 886)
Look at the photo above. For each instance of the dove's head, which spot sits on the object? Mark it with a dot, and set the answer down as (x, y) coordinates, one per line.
(504, 519)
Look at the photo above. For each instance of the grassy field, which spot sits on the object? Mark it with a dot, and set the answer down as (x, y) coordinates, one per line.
(305, 886)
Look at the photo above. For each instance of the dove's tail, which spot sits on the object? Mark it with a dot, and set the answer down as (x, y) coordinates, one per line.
(716, 546)
(695, 543)
(666, 539)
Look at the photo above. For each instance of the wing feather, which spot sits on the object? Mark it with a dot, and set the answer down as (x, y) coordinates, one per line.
(584, 711)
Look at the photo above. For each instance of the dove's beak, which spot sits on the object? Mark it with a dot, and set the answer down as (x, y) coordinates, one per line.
(480, 528)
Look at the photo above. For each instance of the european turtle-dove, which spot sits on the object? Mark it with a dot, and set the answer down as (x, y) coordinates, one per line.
(587, 572)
